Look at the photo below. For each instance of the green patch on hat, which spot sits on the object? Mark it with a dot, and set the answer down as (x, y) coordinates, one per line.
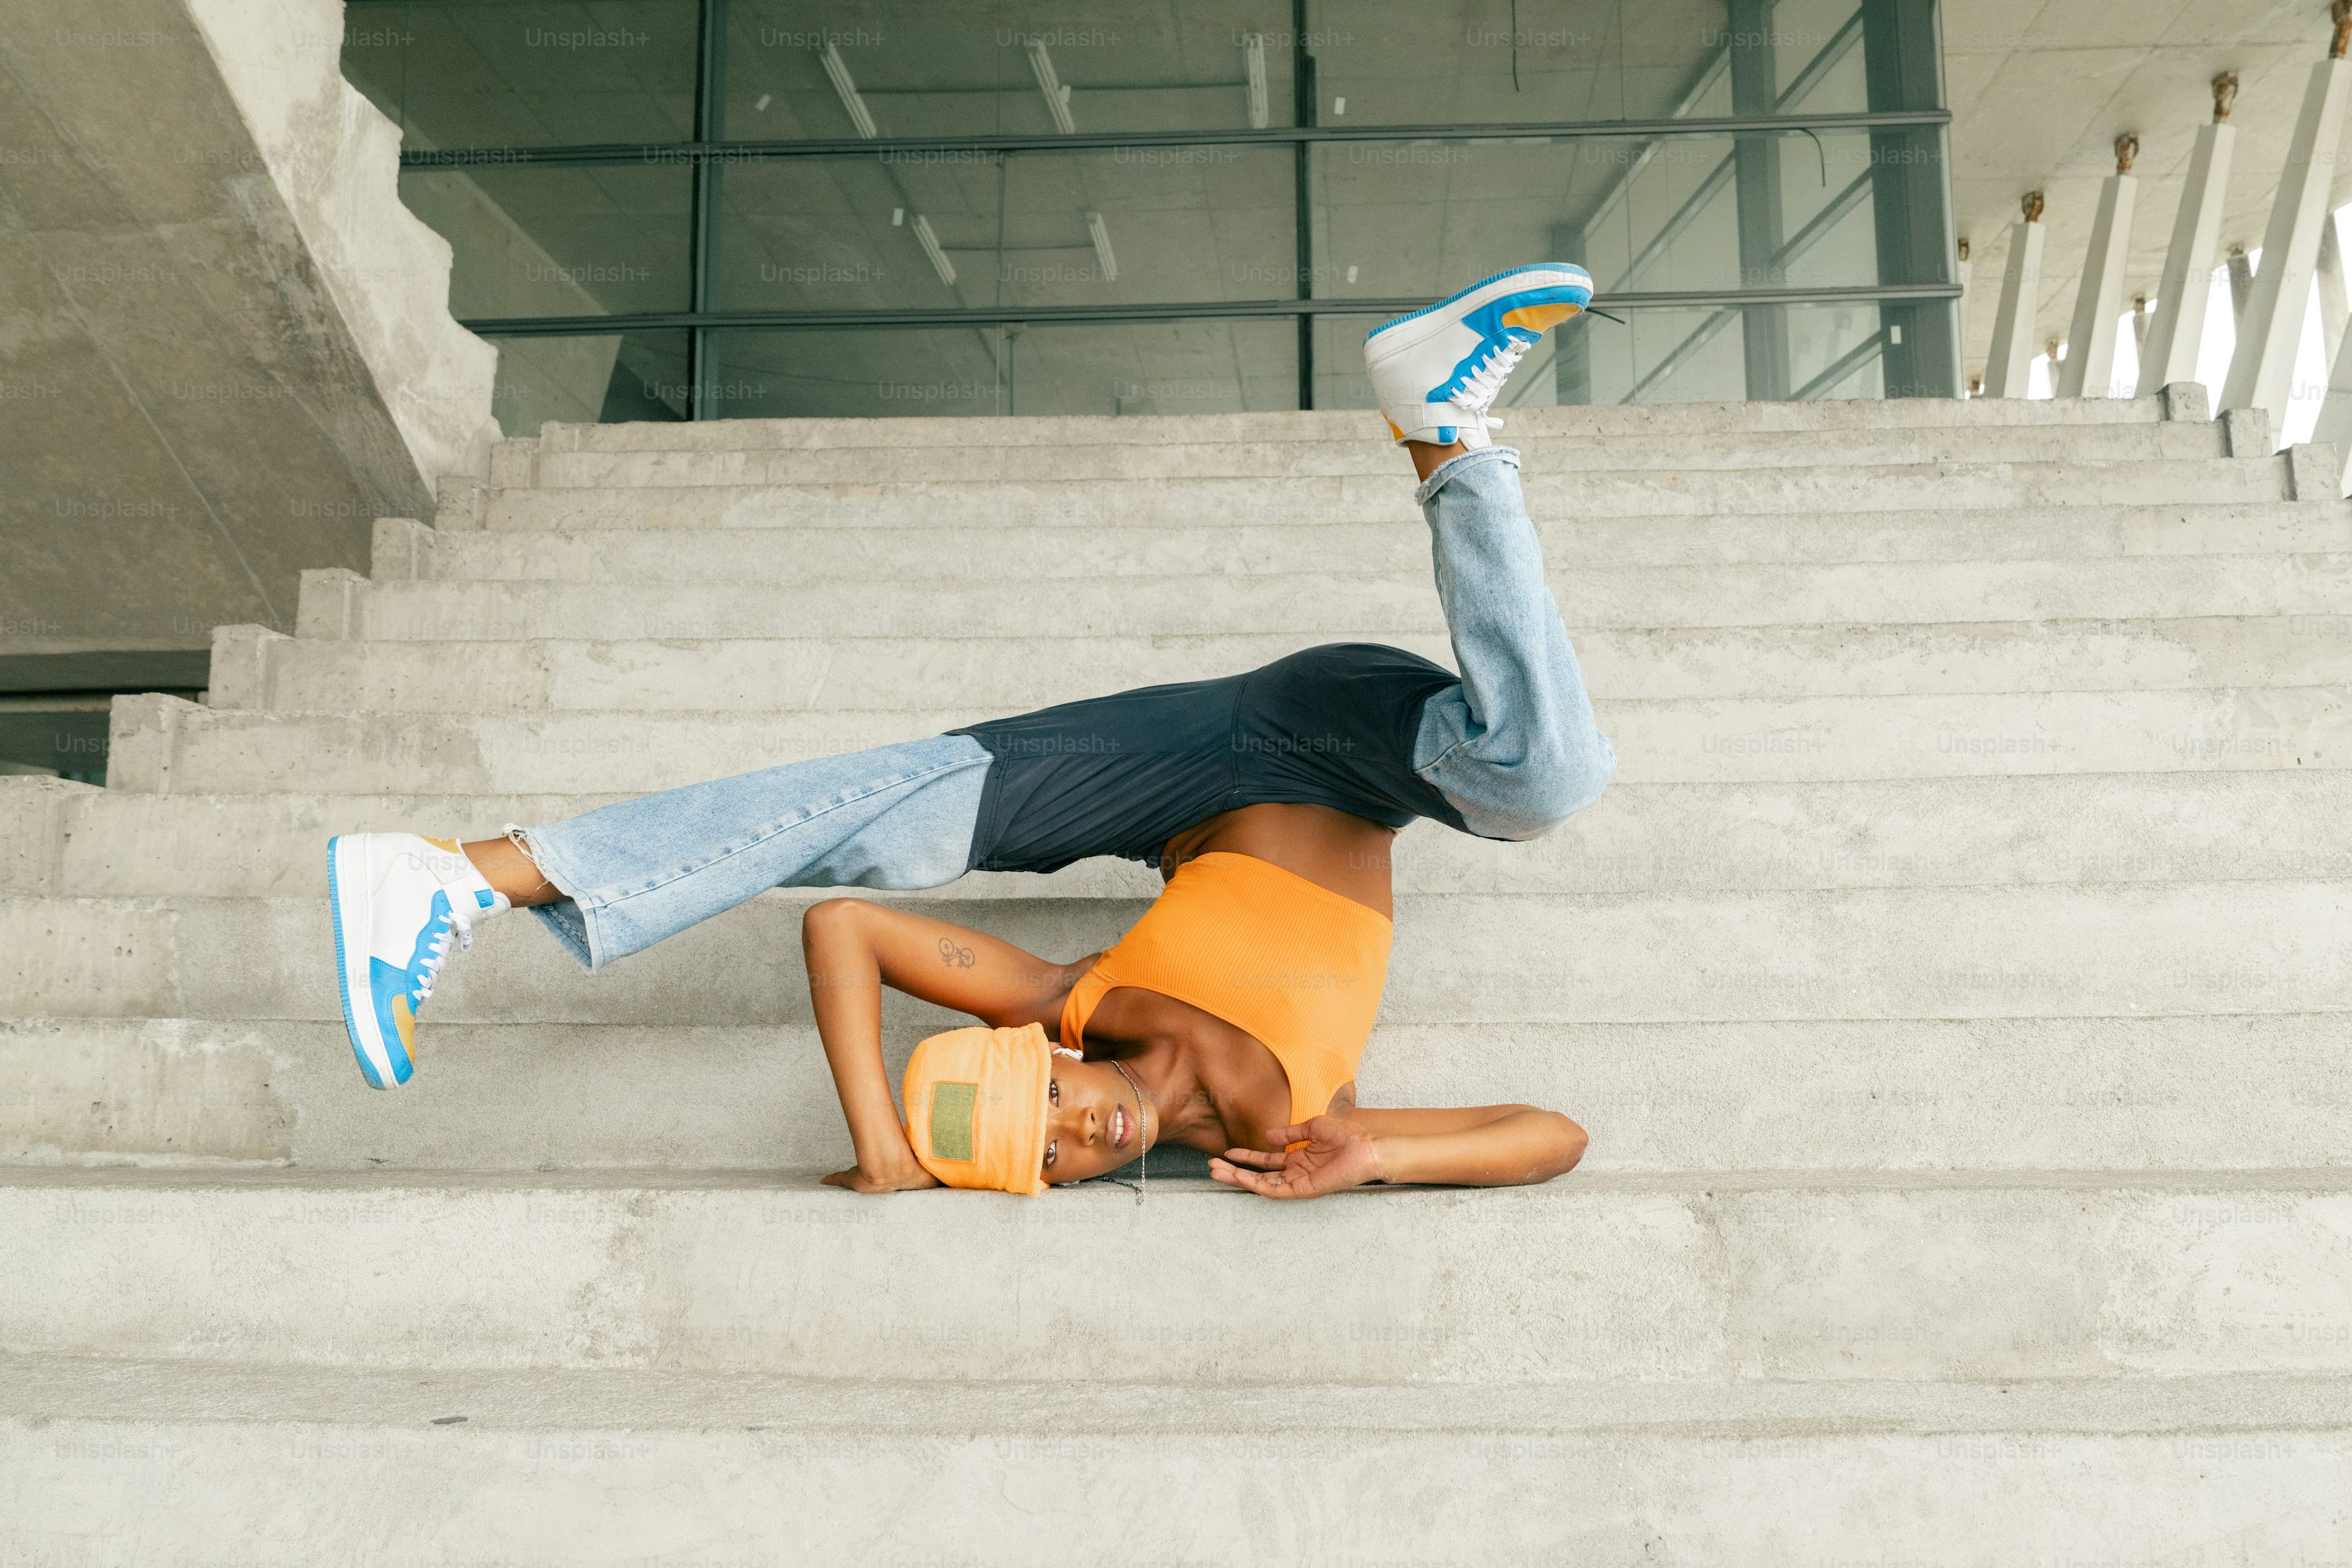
(954, 1106)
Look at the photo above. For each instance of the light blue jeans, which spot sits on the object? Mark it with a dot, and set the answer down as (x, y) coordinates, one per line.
(892, 816)
(1513, 745)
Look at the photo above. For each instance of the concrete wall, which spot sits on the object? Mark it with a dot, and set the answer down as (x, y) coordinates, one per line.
(543, 378)
(224, 345)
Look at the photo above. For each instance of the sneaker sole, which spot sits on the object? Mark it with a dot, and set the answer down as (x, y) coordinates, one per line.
(350, 917)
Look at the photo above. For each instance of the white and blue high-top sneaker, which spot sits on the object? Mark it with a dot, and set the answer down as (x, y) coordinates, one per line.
(1436, 372)
(398, 900)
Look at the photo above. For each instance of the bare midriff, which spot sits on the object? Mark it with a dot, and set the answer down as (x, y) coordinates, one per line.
(1329, 848)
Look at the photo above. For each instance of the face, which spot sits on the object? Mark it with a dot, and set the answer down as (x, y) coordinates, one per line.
(1093, 1122)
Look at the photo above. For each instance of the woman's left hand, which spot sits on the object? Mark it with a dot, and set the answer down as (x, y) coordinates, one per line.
(1338, 1153)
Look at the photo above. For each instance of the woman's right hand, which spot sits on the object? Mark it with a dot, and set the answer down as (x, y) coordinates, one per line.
(858, 1179)
(853, 949)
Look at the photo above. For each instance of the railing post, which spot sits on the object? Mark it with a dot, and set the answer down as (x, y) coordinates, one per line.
(2013, 325)
(2267, 340)
(2089, 368)
(2173, 338)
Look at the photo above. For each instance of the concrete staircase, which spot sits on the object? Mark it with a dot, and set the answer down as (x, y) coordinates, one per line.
(1955, 982)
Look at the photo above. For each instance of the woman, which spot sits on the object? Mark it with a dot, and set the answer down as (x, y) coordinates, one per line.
(1230, 1017)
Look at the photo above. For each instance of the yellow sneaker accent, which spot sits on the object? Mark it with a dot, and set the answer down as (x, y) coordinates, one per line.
(448, 843)
(405, 1021)
(1539, 317)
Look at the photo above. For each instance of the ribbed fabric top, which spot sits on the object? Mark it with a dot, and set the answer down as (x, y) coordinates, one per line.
(1293, 963)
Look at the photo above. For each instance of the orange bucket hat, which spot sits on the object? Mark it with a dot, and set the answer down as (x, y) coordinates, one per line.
(976, 1107)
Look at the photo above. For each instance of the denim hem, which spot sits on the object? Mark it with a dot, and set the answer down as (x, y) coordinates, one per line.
(1452, 465)
(565, 923)
(568, 920)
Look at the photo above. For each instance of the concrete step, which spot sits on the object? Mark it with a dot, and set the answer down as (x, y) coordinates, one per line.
(1269, 457)
(2053, 829)
(162, 745)
(1025, 551)
(1657, 420)
(621, 1469)
(1712, 1279)
(1160, 503)
(2096, 950)
(256, 668)
(2226, 1091)
(1335, 606)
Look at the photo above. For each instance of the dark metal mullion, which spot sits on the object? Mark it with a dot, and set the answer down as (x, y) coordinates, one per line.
(1759, 209)
(1274, 136)
(1006, 355)
(702, 249)
(1303, 107)
(1690, 299)
(704, 243)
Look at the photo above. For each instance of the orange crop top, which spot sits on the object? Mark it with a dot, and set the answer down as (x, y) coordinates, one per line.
(1295, 965)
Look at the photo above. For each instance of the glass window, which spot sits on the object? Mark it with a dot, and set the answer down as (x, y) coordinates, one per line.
(1399, 219)
(950, 229)
(1574, 60)
(1584, 60)
(1192, 366)
(1826, 227)
(1042, 278)
(1340, 378)
(526, 73)
(598, 379)
(559, 242)
(1716, 356)
(1817, 56)
(1835, 351)
(1668, 356)
(800, 70)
